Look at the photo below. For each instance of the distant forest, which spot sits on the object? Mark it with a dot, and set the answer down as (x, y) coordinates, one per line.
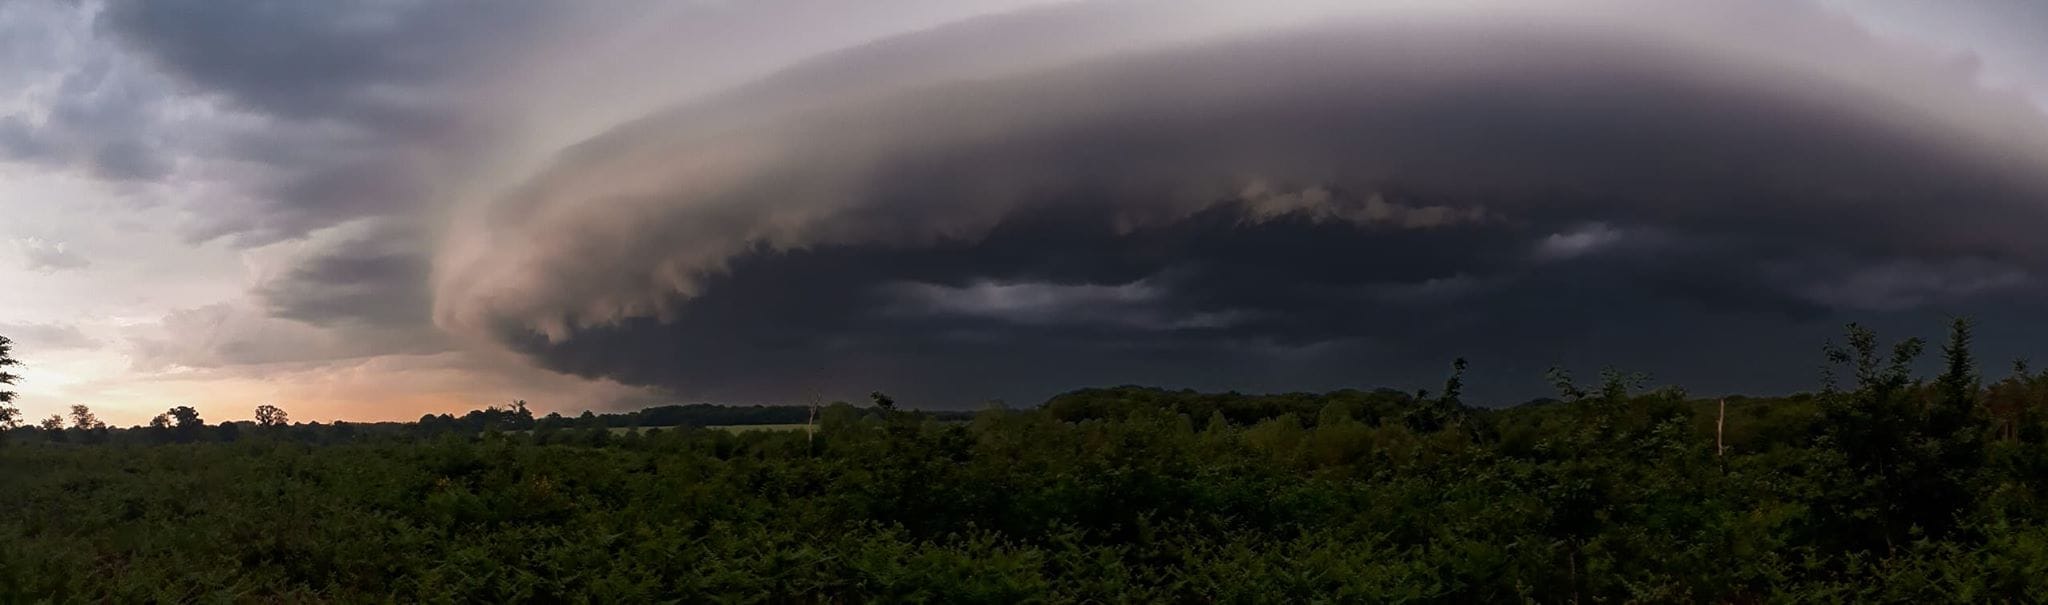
(1879, 486)
(184, 425)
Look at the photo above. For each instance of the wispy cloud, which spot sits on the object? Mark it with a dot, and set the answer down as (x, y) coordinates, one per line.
(49, 257)
(48, 336)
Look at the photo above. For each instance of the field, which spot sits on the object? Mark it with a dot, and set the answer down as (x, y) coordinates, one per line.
(1890, 488)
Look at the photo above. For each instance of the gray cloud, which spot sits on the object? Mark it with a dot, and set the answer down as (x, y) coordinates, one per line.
(1136, 305)
(342, 295)
(367, 63)
(2002, 36)
(311, 115)
(48, 336)
(374, 275)
(1910, 283)
(1579, 241)
(235, 335)
(325, 142)
(1384, 192)
(49, 257)
(360, 110)
(100, 110)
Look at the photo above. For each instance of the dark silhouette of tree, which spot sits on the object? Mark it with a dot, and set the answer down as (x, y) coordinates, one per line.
(1958, 380)
(514, 416)
(1561, 380)
(1958, 384)
(54, 423)
(83, 418)
(270, 415)
(1954, 428)
(1455, 385)
(2014, 404)
(1892, 439)
(182, 422)
(838, 417)
(185, 417)
(1433, 414)
(883, 401)
(8, 413)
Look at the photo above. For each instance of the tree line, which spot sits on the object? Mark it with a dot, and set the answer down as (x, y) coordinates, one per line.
(1881, 485)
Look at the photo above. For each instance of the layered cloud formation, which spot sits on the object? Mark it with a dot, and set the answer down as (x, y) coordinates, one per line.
(1358, 191)
(960, 201)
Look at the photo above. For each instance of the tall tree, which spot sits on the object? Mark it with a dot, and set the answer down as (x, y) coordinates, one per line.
(1954, 427)
(270, 415)
(183, 421)
(8, 413)
(1956, 417)
(1894, 442)
(83, 418)
(1959, 381)
(185, 417)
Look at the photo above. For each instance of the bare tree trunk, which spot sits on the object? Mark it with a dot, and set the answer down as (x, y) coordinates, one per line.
(811, 425)
(1572, 561)
(1720, 426)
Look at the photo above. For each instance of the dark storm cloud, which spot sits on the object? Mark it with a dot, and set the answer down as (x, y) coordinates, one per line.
(100, 119)
(376, 277)
(322, 60)
(1312, 207)
(342, 295)
(338, 126)
(1212, 301)
(363, 104)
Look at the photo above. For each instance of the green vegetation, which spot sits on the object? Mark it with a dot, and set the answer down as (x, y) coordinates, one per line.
(1881, 487)
(748, 428)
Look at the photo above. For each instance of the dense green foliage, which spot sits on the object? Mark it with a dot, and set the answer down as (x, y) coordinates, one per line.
(1883, 488)
(516, 417)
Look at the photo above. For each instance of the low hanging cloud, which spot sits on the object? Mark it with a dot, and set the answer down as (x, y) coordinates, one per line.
(1385, 189)
(1134, 305)
(1577, 242)
(364, 274)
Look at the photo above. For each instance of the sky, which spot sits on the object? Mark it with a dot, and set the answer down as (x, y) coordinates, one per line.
(376, 210)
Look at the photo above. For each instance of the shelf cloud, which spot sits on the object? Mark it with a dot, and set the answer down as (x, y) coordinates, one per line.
(957, 200)
(1588, 166)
